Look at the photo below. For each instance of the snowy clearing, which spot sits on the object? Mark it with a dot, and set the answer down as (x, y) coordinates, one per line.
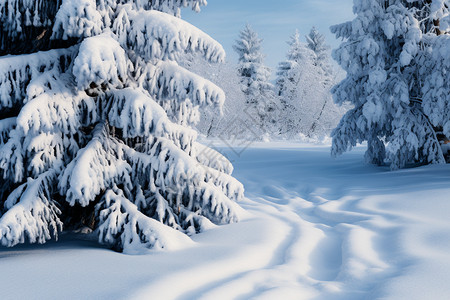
(317, 228)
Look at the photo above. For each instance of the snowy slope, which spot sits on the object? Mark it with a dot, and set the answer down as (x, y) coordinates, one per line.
(317, 228)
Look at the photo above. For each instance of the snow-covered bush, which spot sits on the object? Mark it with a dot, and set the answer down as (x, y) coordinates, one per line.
(396, 55)
(96, 133)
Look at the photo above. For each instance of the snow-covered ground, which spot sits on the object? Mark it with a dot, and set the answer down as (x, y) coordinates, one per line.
(316, 228)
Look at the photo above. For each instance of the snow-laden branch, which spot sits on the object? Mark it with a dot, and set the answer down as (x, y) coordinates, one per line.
(186, 184)
(15, 14)
(36, 143)
(77, 18)
(101, 62)
(95, 168)
(124, 227)
(168, 80)
(413, 139)
(212, 158)
(349, 132)
(53, 112)
(45, 151)
(11, 157)
(156, 35)
(6, 125)
(436, 96)
(134, 112)
(107, 8)
(227, 184)
(16, 72)
(164, 166)
(31, 213)
(138, 115)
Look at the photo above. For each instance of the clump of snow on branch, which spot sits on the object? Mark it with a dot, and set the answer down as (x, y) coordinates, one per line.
(101, 61)
(77, 19)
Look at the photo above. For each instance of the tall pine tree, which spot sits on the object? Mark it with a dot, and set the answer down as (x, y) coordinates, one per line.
(255, 80)
(316, 42)
(292, 73)
(396, 58)
(328, 112)
(95, 132)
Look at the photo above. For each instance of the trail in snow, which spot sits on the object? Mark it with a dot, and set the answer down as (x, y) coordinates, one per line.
(317, 228)
(356, 222)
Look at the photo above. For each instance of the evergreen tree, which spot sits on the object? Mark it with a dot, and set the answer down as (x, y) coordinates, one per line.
(255, 84)
(303, 85)
(396, 59)
(96, 131)
(316, 42)
(291, 76)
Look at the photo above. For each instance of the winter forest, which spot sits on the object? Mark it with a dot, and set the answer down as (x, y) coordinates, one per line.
(193, 149)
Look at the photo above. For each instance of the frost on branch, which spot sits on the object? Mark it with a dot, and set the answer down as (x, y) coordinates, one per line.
(261, 102)
(303, 84)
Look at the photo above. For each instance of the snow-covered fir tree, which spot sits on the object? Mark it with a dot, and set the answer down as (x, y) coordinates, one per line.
(396, 54)
(292, 73)
(328, 115)
(303, 85)
(255, 81)
(95, 132)
(316, 42)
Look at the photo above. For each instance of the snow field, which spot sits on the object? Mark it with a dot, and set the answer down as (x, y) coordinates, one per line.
(315, 228)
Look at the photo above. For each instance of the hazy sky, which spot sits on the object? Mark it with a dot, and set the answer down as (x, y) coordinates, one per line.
(275, 21)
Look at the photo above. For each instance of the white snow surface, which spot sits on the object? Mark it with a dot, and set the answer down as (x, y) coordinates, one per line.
(315, 228)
